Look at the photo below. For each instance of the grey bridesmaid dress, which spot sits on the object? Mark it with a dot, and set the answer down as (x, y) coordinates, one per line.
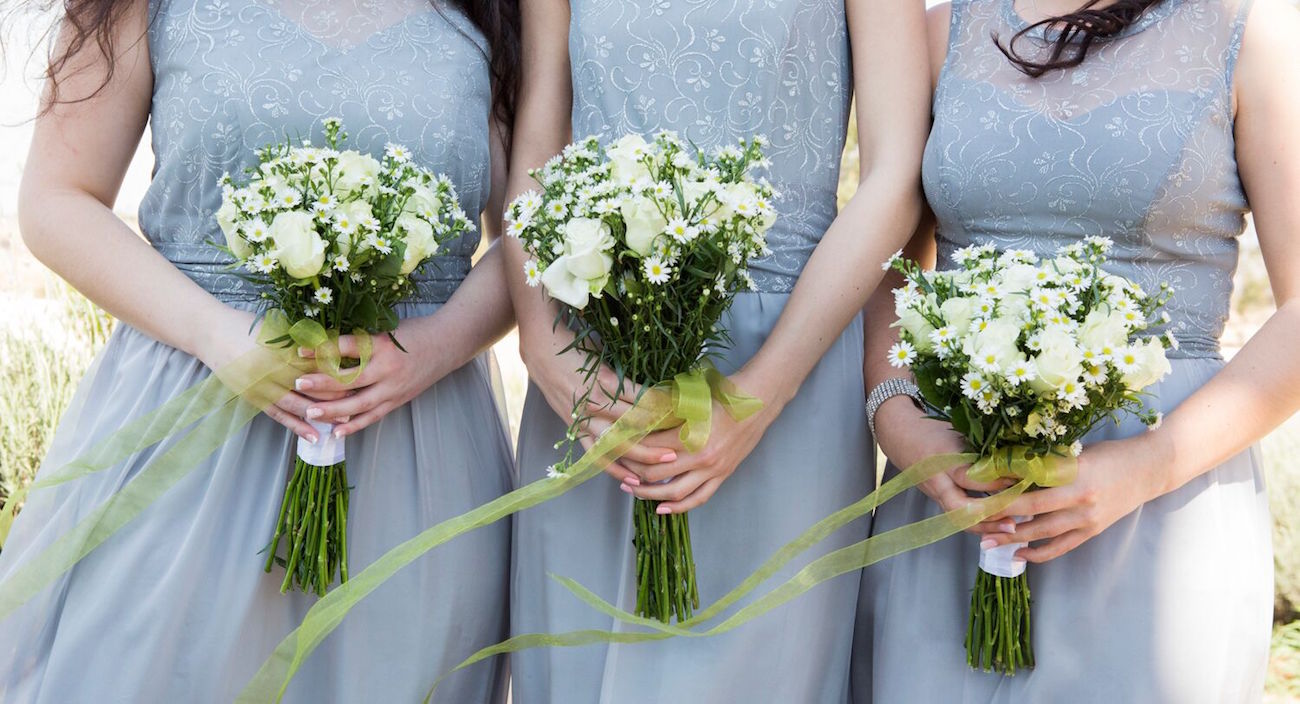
(1173, 602)
(712, 70)
(176, 607)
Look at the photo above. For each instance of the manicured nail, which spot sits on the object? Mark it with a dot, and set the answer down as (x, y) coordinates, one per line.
(302, 384)
(625, 488)
(315, 413)
(663, 510)
(1009, 527)
(988, 544)
(1019, 562)
(632, 481)
(311, 438)
(340, 433)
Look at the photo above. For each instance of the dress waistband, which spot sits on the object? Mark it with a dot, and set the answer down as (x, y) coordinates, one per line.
(211, 269)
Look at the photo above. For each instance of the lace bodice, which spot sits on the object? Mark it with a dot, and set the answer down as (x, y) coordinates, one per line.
(715, 70)
(1135, 144)
(233, 75)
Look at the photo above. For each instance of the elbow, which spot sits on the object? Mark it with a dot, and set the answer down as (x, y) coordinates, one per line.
(32, 220)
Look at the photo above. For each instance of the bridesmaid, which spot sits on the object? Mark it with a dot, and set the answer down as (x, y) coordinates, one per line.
(175, 606)
(716, 70)
(1154, 575)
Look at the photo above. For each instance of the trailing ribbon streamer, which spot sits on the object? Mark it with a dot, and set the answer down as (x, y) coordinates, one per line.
(1057, 470)
(212, 410)
(656, 410)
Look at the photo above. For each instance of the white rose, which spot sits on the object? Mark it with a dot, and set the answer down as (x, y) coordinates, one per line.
(358, 211)
(644, 224)
(958, 313)
(1059, 361)
(420, 243)
(424, 202)
(226, 215)
(353, 171)
(918, 327)
(1103, 329)
(695, 191)
(562, 285)
(1153, 365)
(586, 241)
(299, 249)
(997, 338)
(732, 195)
(625, 159)
(1019, 278)
(1015, 307)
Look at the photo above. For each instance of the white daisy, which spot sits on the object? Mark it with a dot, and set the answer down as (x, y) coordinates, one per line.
(656, 271)
(902, 354)
(324, 296)
(532, 274)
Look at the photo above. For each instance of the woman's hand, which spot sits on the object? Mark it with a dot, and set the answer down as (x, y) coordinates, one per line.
(561, 384)
(390, 379)
(691, 479)
(909, 438)
(1114, 479)
(233, 339)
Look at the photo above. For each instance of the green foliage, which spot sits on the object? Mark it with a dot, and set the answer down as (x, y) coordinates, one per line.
(42, 360)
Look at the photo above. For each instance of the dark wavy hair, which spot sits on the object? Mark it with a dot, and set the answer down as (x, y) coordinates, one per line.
(95, 23)
(1073, 34)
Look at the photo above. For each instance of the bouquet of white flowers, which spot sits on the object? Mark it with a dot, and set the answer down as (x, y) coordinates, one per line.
(645, 243)
(333, 237)
(1023, 357)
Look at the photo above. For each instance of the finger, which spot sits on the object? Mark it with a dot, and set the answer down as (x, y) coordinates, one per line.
(963, 480)
(347, 425)
(694, 501)
(355, 405)
(294, 403)
(318, 382)
(643, 455)
(1038, 502)
(349, 346)
(675, 490)
(665, 439)
(1044, 527)
(624, 475)
(667, 471)
(327, 395)
(296, 425)
(1054, 548)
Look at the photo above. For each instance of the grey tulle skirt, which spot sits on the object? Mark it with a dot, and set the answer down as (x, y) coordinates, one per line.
(176, 606)
(816, 458)
(1173, 603)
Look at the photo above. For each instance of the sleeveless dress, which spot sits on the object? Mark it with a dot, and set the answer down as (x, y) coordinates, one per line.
(1173, 602)
(176, 606)
(712, 70)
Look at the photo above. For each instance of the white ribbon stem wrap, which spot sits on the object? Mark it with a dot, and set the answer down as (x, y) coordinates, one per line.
(327, 451)
(1001, 561)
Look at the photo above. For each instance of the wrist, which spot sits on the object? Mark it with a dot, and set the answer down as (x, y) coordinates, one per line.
(1161, 460)
(215, 328)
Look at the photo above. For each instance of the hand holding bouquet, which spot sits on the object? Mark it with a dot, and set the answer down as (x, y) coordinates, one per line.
(333, 236)
(1024, 357)
(644, 243)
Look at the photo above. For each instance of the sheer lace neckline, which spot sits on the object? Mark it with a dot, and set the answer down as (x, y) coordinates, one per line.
(343, 25)
(1153, 15)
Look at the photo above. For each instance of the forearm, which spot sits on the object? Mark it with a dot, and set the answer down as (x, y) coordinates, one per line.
(842, 272)
(1253, 394)
(124, 275)
(476, 316)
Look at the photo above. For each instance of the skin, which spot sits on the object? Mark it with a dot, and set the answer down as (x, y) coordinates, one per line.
(887, 39)
(1254, 393)
(79, 156)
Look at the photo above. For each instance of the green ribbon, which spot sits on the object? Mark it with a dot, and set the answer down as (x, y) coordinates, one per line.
(201, 420)
(1056, 469)
(1051, 470)
(691, 393)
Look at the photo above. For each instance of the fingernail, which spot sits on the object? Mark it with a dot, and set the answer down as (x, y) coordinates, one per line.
(1019, 562)
(988, 544)
(313, 439)
(314, 413)
(1009, 527)
(340, 433)
(625, 488)
(632, 481)
(670, 457)
(301, 384)
(663, 510)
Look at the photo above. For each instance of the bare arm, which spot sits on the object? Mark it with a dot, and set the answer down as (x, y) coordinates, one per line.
(79, 155)
(1260, 387)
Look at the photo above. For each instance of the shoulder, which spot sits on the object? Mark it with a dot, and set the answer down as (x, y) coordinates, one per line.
(1268, 62)
(938, 20)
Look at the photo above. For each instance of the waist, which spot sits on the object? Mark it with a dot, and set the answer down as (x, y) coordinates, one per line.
(212, 270)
